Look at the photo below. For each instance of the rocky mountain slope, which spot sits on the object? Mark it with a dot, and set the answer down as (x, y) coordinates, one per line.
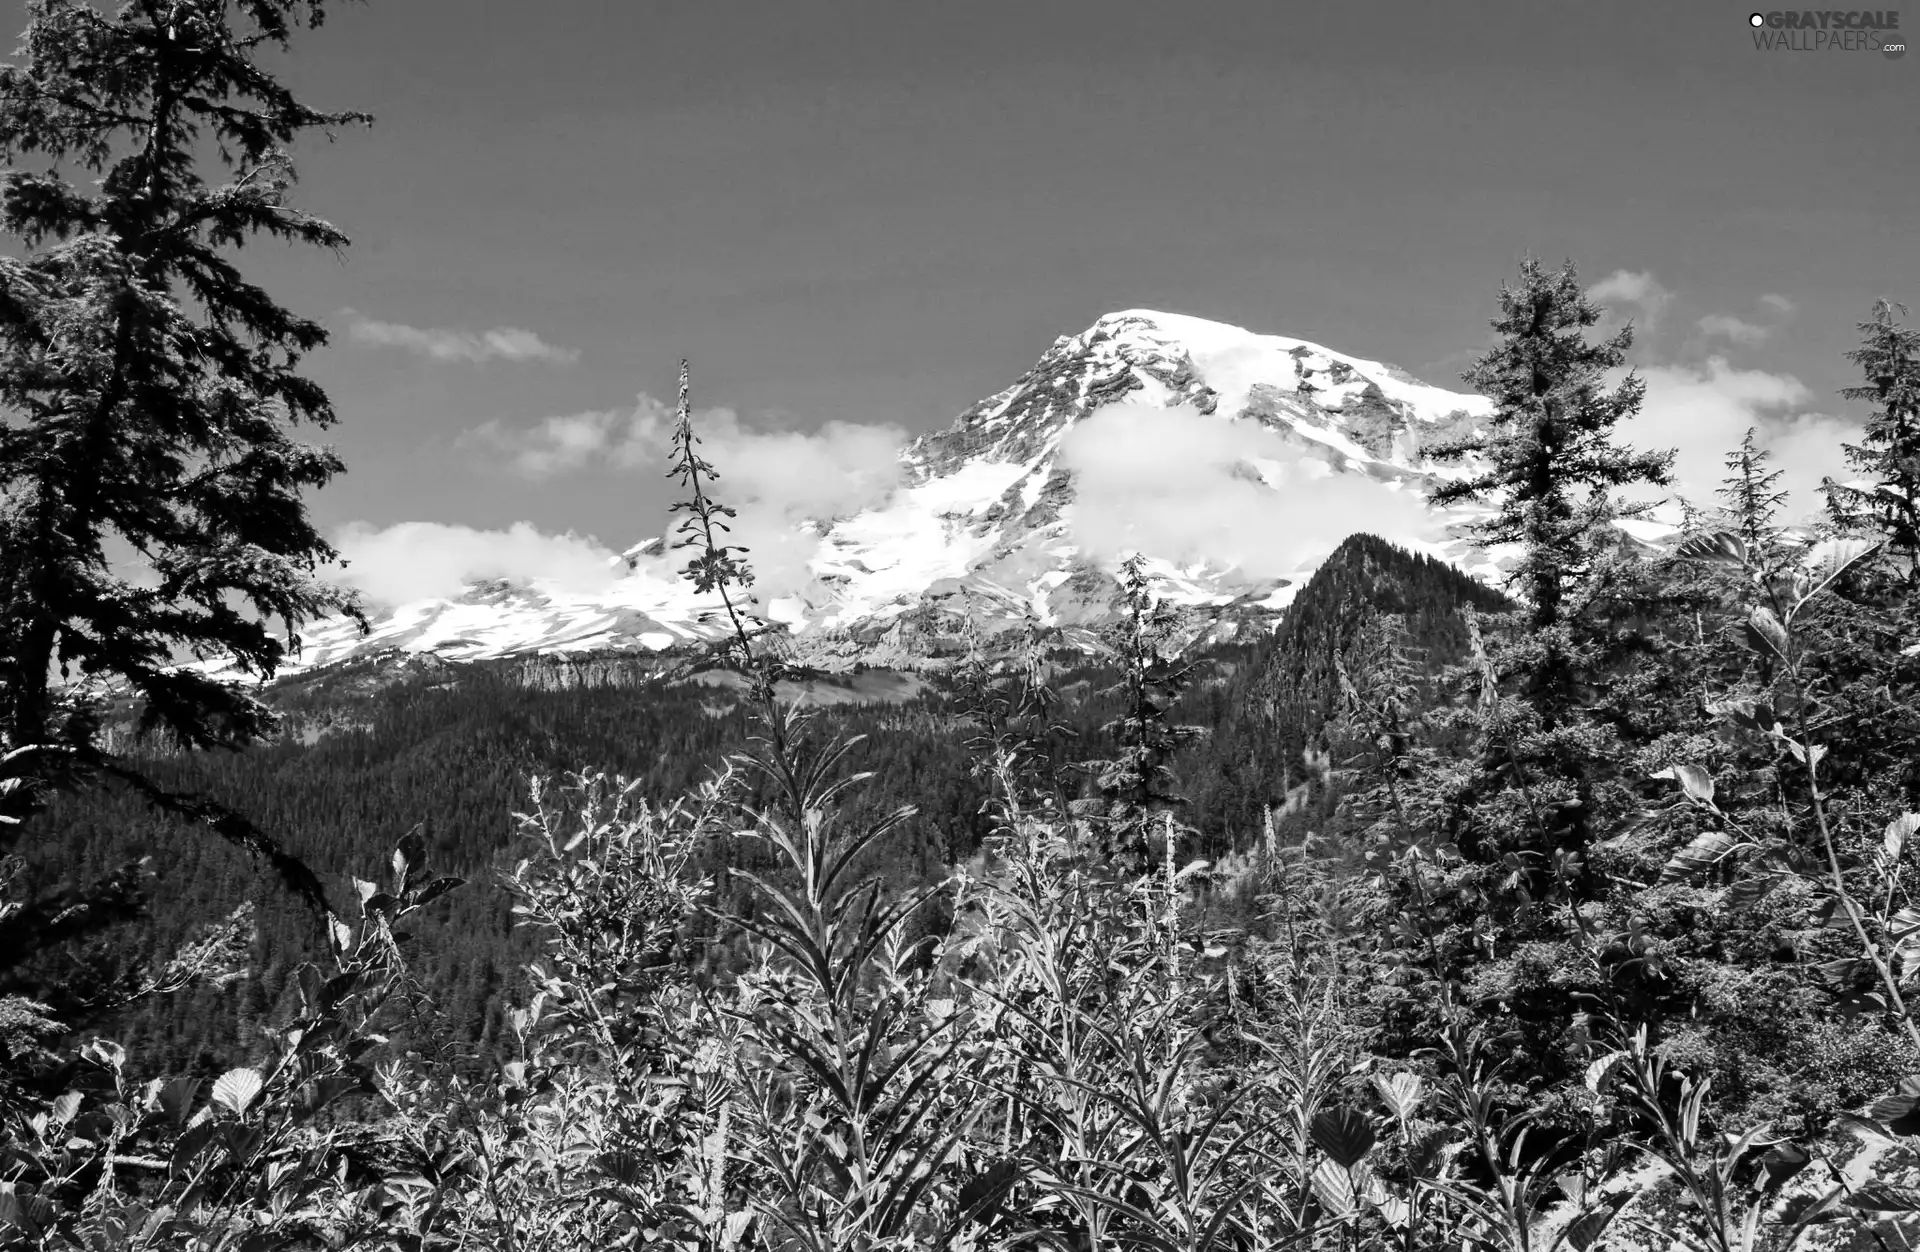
(1296, 689)
(988, 528)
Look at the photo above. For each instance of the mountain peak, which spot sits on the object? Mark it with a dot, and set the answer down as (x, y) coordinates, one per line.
(1297, 687)
(989, 528)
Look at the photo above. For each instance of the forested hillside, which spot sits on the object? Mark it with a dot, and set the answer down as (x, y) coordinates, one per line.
(1298, 690)
(373, 750)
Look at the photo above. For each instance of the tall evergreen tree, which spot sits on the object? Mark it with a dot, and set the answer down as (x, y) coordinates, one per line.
(1551, 461)
(1752, 496)
(148, 390)
(1548, 759)
(1888, 454)
(1551, 465)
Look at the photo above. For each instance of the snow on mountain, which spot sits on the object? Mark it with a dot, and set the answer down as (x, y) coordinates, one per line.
(983, 531)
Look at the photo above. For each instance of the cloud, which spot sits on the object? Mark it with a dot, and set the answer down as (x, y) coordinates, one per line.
(1703, 410)
(1725, 326)
(1175, 483)
(556, 445)
(1640, 290)
(420, 560)
(773, 478)
(1701, 406)
(839, 468)
(1741, 332)
(503, 343)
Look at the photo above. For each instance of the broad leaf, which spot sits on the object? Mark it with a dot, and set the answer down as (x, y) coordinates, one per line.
(435, 889)
(1586, 1229)
(1782, 1161)
(1335, 1188)
(1721, 548)
(1903, 929)
(1863, 1126)
(1900, 1112)
(409, 856)
(1401, 1093)
(1696, 782)
(1704, 854)
(1899, 830)
(1845, 975)
(64, 1108)
(1750, 891)
(623, 1167)
(318, 1094)
(176, 1098)
(1826, 912)
(1747, 714)
(1885, 1199)
(1601, 1071)
(1827, 561)
(1765, 634)
(236, 1089)
(13, 1213)
(1344, 1134)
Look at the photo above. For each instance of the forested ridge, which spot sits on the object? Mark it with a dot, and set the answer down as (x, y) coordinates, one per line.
(1298, 690)
(369, 751)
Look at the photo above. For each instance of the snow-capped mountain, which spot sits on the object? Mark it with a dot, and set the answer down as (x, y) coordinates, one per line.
(981, 533)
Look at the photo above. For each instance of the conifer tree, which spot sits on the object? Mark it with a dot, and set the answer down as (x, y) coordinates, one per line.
(1552, 463)
(1752, 498)
(148, 390)
(1888, 455)
(1380, 712)
(1547, 763)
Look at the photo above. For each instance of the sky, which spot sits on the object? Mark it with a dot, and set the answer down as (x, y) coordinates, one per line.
(857, 219)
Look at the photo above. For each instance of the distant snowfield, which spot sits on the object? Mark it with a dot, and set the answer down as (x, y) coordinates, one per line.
(1233, 360)
(989, 526)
